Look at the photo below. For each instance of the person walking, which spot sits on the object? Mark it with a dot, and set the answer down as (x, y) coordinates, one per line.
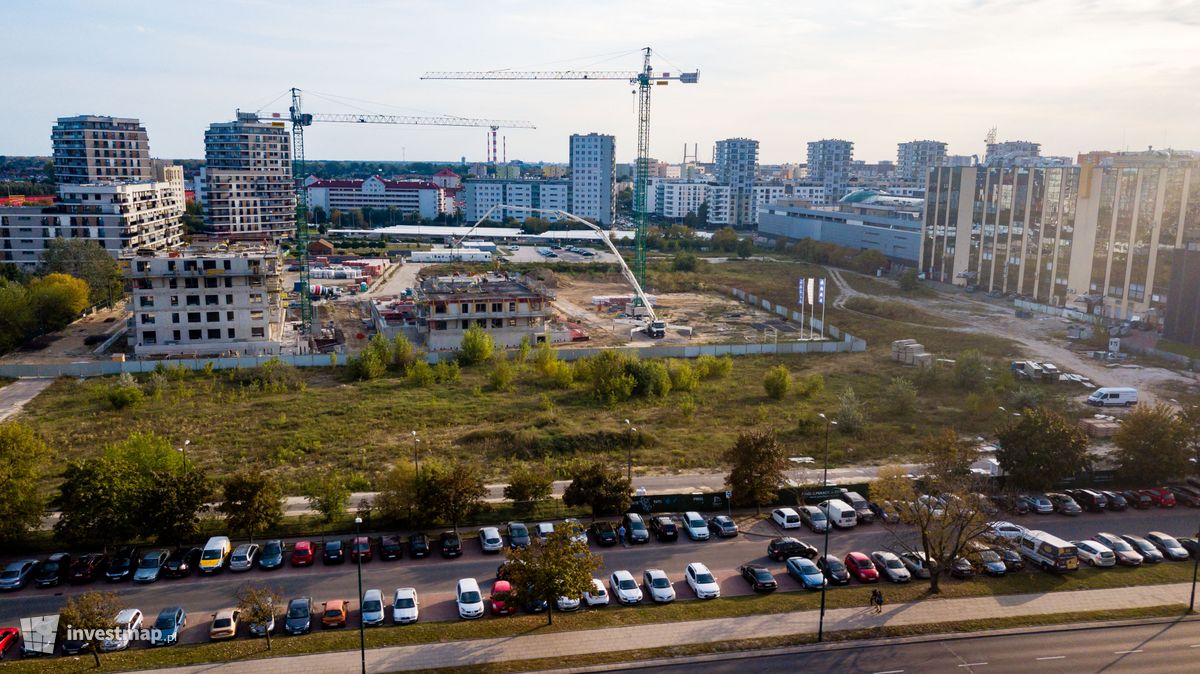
(621, 535)
(877, 600)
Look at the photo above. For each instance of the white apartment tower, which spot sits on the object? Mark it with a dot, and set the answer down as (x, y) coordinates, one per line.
(736, 162)
(95, 148)
(914, 158)
(829, 163)
(248, 187)
(593, 177)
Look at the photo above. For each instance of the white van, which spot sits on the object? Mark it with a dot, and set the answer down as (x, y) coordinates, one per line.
(469, 599)
(216, 554)
(1112, 396)
(839, 513)
(1048, 552)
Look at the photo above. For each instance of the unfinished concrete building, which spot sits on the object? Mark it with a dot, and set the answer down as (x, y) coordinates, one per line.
(509, 308)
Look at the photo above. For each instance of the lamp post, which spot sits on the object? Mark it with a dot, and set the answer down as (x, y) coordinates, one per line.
(629, 453)
(362, 633)
(183, 450)
(416, 453)
(825, 554)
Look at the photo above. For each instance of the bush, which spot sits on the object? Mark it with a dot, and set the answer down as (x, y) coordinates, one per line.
(420, 374)
(121, 396)
(607, 373)
(901, 397)
(523, 350)
(970, 370)
(908, 281)
(851, 415)
(446, 371)
(558, 374)
(650, 378)
(807, 422)
(777, 382)
(811, 385)
(477, 346)
(684, 262)
(687, 407)
(684, 377)
(366, 365)
(403, 353)
(501, 376)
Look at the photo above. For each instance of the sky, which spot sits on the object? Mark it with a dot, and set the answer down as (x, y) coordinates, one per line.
(1074, 75)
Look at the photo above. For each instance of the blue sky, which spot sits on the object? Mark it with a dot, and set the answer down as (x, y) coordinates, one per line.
(1075, 75)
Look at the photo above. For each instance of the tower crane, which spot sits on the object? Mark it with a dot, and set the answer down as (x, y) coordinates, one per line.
(644, 79)
(301, 119)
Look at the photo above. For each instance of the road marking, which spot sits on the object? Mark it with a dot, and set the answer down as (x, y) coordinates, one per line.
(972, 664)
(891, 671)
(1194, 646)
(1136, 650)
(1051, 657)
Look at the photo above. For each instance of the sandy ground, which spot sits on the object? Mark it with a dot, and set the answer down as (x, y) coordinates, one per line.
(67, 344)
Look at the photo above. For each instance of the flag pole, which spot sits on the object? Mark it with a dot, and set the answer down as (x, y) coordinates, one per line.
(824, 301)
(803, 282)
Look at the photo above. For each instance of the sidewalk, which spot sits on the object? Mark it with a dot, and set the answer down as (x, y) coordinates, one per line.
(14, 396)
(565, 644)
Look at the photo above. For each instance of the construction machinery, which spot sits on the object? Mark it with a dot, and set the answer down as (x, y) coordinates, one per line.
(301, 119)
(644, 79)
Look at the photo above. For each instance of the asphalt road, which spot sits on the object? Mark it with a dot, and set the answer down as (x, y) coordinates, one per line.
(1146, 649)
(434, 577)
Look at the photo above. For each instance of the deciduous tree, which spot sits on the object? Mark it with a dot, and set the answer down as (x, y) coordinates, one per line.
(88, 261)
(1152, 444)
(253, 501)
(453, 491)
(1039, 448)
(56, 300)
(398, 494)
(777, 382)
(477, 346)
(91, 613)
(757, 463)
(602, 489)
(560, 567)
(259, 605)
(24, 458)
(529, 485)
(328, 494)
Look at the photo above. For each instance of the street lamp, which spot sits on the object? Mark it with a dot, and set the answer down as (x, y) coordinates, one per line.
(629, 453)
(362, 633)
(416, 453)
(183, 450)
(825, 483)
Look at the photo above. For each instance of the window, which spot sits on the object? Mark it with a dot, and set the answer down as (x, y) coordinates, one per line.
(231, 333)
(194, 334)
(174, 300)
(149, 337)
(256, 332)
(147, 319)
(172, 283)
(214, 333)
(189, 283)
(256, 315)
(146, 301)
(174, 318)
(480, 307)
(175, 335)
(229, 316)
(193, 300)
(254, 299)
(437, 308)
(210, 300)
(194, 317)
(466, 309)
(211, 282)
(213, 316)
(228, 282)
(229, 299)
(210, 264)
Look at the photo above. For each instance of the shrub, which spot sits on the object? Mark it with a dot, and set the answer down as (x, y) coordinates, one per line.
(908, 280)
(777, 382)
(446, 371)
(420, 374)
(712, 367)
(969, 370)
(812, 384)
(608, 376)
(476, 347)
(559, 374)
(687, 407)
(807, 422)
(684, 377)
(403, 353)
(684, 262)
(650, 378)
(501, 376)
(523, 350)
(366, 365)
(901, 397)
(851, 415)
(121, 396)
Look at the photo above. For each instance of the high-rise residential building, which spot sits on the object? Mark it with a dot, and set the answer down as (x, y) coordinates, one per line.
(829, 164)
(914, 158)
(249, 193)
(482, 195)
(1011, 151)
(593, 177)
(95, 148)
(736, 162)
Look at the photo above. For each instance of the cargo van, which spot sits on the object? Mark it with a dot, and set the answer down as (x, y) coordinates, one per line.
(839, 513)
(216, 553)
(1048, 552)
(1112, 396)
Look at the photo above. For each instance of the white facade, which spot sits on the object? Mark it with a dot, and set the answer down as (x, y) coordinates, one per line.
(94, 148)
(593, 177)
(829, 163)
(914, 158)
(482, 195)
(764, 194)
(423, 198)
(248, 169)
(720, 204)
(678, 199)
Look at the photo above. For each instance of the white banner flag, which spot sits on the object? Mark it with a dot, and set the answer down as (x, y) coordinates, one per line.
(812, 284)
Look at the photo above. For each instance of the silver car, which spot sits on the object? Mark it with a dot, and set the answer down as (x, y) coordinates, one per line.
(490, 540)
(372, 608)
(244, 556)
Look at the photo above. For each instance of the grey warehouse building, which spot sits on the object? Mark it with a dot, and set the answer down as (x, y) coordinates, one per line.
(865, 220)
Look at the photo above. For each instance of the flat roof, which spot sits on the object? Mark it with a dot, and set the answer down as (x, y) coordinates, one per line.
(483, 233)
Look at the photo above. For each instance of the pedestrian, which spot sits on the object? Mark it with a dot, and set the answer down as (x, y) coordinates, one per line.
(877, 600)
(621, 535)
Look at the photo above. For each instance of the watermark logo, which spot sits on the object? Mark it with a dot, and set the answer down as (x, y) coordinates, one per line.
(114, 635)
(39, 634)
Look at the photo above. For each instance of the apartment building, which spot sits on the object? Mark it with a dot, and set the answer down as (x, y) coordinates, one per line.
(447, 179)
(509, 308)
(676, 199)
(829, 163)
(593, 177)
(914, 158)
(426, 199)
(206, 301)
(736, 162)
(96, 148)
(719, 198)
(482, 195)
(248, 190)
(1011, 151)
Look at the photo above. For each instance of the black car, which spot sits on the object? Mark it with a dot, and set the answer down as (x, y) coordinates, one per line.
(1011, 558)
(781, 548)
(1008, 503)
(54, 570)
(1192, 545)
(270, 557)
(181, 562)
(298, 619)
(451, 544)
(723, 526)
(88, 567)
(120, 566)
(834, 569)
(962, 568)
(635, 528)
(1115, 502)
(390, 547)
(333, 552)
(604, 533)
(1186, 496)
(759, 577)
(664, 529)
(531, 605)
(862, 509)
(1090, 500)
(418, 546)
(885, 512)
(1137, 500)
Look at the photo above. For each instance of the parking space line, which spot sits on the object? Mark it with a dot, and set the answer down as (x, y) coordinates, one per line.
(1051, 657)
(891, 671)
(972, 664)
(1135, 650)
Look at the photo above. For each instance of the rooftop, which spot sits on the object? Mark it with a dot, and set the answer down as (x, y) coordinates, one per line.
(456, 287)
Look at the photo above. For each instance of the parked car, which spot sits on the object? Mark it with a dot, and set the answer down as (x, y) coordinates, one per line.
(334, 613)
(127, 621)
(833, 568)
(695, 526)
(503, 599)
(371, 609)
(722, 526)
(916, 564)
(1095, 554)
(1064, 504)
(1149, 553)
(518, 535)
(1038, 503)
(406, 606)
(360, 548)
(658, 586)
(839, 512)
(806, 572)
(54, 570)
(1011, 558)
(982, 557)
(244, 556)
(333, 552)
(298, 619)
(624, 588)
(120, 565)
(862, 509)
(664, 529)
(1137, 500)
(390, 547)
(702, 581)
(224, 624)
(1186, 495)
(1005, 531)
(635, 528)
(490, 540)
(302, 553)
(760, 577)
(270, 556)
(786, 518)
(785, 546)
(532, 604)
(504, 570)
(9, 637)
(962, 568)
(1192, 545)
(604, 533)
(1089, 499)
(597, 596)
(884, 512)
(167, 626)
(814, 519)
(890, 566)
(1114, 501)
(861, 567)
(150, 566)
(1160, 496)
(262, 629)
(17, 575)
(543, 530)
(578, 531)
(1126, 554)
(88, 568)
(215, 555)
(1011, 504)
(451, 545)
(1168, 546)
(568, 604)
(418, 546)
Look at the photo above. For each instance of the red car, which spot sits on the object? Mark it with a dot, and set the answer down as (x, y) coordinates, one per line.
(302, 553)
(361, 546)
(1160, 496)
(9, 637)
(861, 567)
(503, 601)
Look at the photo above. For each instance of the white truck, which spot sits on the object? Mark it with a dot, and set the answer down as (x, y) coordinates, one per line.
(1113, 396)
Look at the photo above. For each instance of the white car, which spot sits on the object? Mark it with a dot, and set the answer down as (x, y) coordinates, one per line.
(543, 531)
(1007, 531)
(624, 587)
(372, 608)
(580, 535)
(566, 604)
(127, 620)
(786, 518)
(890, 566)
(701, 580)
(490, 540)
(469, 599)
(659, 586)
(405, 606)
(695, 526)
(597, 596)
(1095, 553)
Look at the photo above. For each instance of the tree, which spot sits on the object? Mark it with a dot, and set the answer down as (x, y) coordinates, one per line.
(684, 262)
(454, 492)
(403, 353)
(757, 463)
(258, 605)
(603, 490)
(745, 248)
(901, 397)
(777, 381)
(529, 485)
(969, 370)
(908, 280)
(1040, 448)
(650, 378)
(253, 501)
(96, 503)
(173, 502)
(1152, 444)
(608, 375)
(90, 614)
(501, 376)
(328, 494)
(397, 493)
(476, 347)
(724, 239)
(88, 261)
(560, 567)
(1189, 416)
(16, 314)
(56, 300)
(24, 458)
(851, 413)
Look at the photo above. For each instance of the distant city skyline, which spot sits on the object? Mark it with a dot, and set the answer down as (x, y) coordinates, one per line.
(1073, 75)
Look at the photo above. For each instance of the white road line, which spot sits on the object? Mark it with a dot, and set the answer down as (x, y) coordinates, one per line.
(891, 671)
(972, 664)
(1051, 657)
(1194, 646)
(1136, 650)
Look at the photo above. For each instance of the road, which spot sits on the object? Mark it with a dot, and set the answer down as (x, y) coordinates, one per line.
(1164, 647)
(17, 394)
(435, 578)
